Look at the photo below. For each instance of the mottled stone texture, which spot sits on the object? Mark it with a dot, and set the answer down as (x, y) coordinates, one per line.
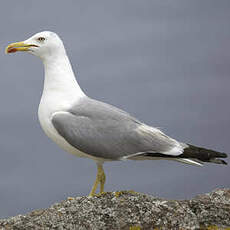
(131, 211)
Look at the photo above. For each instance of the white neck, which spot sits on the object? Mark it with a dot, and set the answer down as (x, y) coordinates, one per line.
(60, 79)
(61, 90)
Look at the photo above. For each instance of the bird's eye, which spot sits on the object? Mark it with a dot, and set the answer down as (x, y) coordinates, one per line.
(41, 39)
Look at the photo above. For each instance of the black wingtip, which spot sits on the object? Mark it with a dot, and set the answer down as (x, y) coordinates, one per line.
(224, 162)
(204, 155)
(223, 155)
(217, 161)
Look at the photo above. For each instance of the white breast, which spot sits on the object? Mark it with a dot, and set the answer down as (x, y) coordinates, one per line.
(61, 91)
(48, 106)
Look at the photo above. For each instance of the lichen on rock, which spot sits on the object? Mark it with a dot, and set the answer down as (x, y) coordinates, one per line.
(129, 211)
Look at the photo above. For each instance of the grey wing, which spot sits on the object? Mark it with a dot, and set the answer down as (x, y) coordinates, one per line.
(104, 131)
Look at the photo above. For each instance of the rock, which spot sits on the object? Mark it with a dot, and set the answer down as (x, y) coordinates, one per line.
(129, 211)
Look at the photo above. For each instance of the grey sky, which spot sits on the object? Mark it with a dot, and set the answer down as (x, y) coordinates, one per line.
(165, 62)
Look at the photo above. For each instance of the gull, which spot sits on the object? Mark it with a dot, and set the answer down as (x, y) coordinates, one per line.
(92, 129)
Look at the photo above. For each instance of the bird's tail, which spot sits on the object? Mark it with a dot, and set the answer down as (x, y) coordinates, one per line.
(203, 155)
(192, 155)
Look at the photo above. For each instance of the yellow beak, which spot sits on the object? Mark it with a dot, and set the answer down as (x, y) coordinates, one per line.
(18, 46)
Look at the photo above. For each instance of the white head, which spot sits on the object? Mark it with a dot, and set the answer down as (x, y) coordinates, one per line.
(44, 45)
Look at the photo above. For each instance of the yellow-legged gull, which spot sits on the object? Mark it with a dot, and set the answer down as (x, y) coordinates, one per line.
(89, 128)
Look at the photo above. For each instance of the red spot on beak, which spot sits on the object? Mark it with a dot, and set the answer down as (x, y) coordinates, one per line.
(11, 50)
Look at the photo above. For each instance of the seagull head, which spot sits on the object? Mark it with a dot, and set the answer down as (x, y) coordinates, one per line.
(44, 45)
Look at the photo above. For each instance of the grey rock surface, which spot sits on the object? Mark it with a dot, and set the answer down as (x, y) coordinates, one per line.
(129, 211)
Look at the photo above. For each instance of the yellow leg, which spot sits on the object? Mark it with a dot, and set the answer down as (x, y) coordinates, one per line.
(100, 178)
